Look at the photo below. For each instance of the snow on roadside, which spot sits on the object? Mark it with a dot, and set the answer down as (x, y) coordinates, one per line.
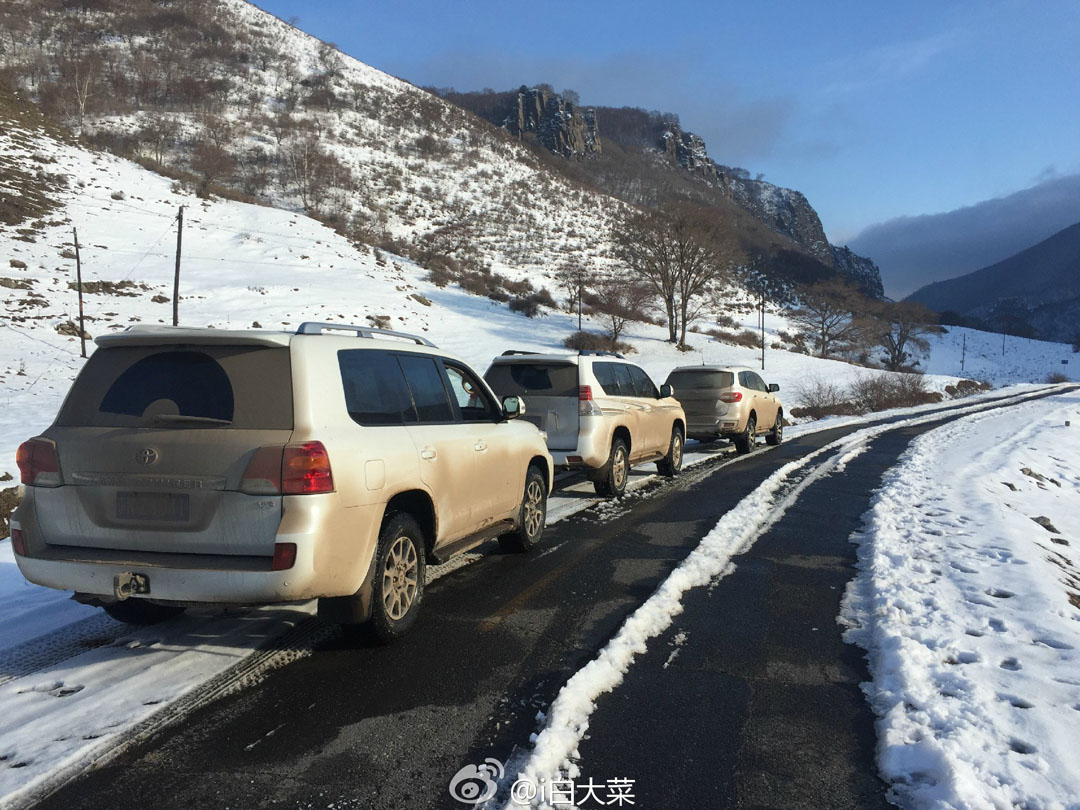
(970, 612)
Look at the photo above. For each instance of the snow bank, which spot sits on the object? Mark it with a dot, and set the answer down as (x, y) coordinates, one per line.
(970, 612)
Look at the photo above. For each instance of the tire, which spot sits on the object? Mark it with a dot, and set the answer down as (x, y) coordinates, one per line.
(670, 464)
(531, 518)
(617, 470)
(776, 435)
(139, 611)
(746, 440)
(398, 584)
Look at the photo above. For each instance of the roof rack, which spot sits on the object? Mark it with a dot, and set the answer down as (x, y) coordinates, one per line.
(317, 328)
(509, 352)
(599, 353)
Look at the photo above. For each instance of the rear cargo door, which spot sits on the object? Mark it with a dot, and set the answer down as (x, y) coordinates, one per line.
(550, 391)
(153, 444)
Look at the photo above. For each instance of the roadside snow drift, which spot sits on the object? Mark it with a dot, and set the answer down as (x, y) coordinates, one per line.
(968, 604)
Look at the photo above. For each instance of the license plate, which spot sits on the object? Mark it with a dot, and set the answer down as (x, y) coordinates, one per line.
(151, 506)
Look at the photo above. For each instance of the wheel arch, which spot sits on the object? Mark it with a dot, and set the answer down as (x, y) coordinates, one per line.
(417, 503)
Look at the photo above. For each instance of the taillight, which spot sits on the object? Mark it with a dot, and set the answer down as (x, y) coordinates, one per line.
(731, 396)
(39, 465)
(586, 406)
(263, 473)
(284, 556)
(18, 542)
(305, 469)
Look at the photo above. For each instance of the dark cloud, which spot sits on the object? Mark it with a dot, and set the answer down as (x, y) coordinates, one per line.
(914, 251)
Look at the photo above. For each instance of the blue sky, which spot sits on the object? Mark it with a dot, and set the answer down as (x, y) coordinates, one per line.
(873, 110)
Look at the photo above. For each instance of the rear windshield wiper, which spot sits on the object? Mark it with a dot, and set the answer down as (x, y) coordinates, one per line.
(179, 418)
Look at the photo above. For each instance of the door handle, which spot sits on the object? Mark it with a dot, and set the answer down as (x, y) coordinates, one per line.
(428, 454)
(480, 447)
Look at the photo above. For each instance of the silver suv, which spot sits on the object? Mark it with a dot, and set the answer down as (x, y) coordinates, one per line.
(729, 402)
(600, 413)
(192, 466)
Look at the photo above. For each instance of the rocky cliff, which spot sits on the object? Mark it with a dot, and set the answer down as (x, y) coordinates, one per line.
(559, 125)
(859, 270)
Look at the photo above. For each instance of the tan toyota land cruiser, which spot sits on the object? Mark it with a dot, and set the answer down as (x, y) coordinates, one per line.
(601, 414)
(193, 466)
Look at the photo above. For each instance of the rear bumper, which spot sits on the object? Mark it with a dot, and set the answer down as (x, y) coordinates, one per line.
(323, 567)
(195, 585)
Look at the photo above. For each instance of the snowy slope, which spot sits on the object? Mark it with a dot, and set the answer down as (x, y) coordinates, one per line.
(970, 612)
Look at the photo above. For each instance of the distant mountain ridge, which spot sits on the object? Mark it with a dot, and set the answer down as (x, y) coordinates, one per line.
(566, 129)
(1040, 285)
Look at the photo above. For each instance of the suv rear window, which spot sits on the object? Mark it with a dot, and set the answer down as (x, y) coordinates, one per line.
(538, 379)
(685, 380)
(242, 387)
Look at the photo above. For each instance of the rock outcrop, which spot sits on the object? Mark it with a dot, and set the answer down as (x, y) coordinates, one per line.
(862, 272)
(559, 125)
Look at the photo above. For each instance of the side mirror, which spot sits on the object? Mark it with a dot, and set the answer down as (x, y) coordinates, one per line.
(773, 388)
(666, 391)
(513, 407)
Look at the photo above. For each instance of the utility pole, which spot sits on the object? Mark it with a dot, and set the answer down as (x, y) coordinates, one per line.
(78, 283)
(1002, 344)
(963, 351)
(579, 306)
(176, 276)
(763, 331)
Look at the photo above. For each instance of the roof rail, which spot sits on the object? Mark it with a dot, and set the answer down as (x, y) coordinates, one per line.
(509, 352)
(599, 353)
(317, 328)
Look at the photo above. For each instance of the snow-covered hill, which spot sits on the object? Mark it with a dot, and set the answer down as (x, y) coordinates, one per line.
(245, 264)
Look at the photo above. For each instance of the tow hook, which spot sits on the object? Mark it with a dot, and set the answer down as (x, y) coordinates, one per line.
(129, 584)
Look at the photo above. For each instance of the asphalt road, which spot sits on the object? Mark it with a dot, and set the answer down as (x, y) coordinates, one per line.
(760, 707)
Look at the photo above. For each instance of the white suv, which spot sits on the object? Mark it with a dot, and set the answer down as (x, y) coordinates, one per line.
(195, 466)
(601, 414)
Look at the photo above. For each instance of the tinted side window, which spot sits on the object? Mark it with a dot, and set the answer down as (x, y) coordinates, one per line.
(626, 382)
(605, 375)
(744, 380)
(375, 392)
(426, 384)
(756, 382)
(472, 400)
(643, 386)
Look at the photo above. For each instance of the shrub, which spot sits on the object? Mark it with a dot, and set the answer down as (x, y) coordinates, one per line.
(747, 337)
(526, 305)
(883, 391)
(591, 341)
(1057, 377)
(820, 397)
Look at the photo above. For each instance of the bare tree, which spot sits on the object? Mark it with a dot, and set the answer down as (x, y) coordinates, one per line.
(619, 299)
(311, 171)
(212, 163)
(900, 330)
(574, 278)
(683, 255)
(443, 242)
(828, 315)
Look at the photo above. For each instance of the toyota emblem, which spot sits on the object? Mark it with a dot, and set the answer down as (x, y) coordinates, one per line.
(148, 455)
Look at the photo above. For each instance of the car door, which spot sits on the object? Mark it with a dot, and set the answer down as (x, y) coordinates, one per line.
(498, 470)
(765, 403)
(654, 427)
(445, 449)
